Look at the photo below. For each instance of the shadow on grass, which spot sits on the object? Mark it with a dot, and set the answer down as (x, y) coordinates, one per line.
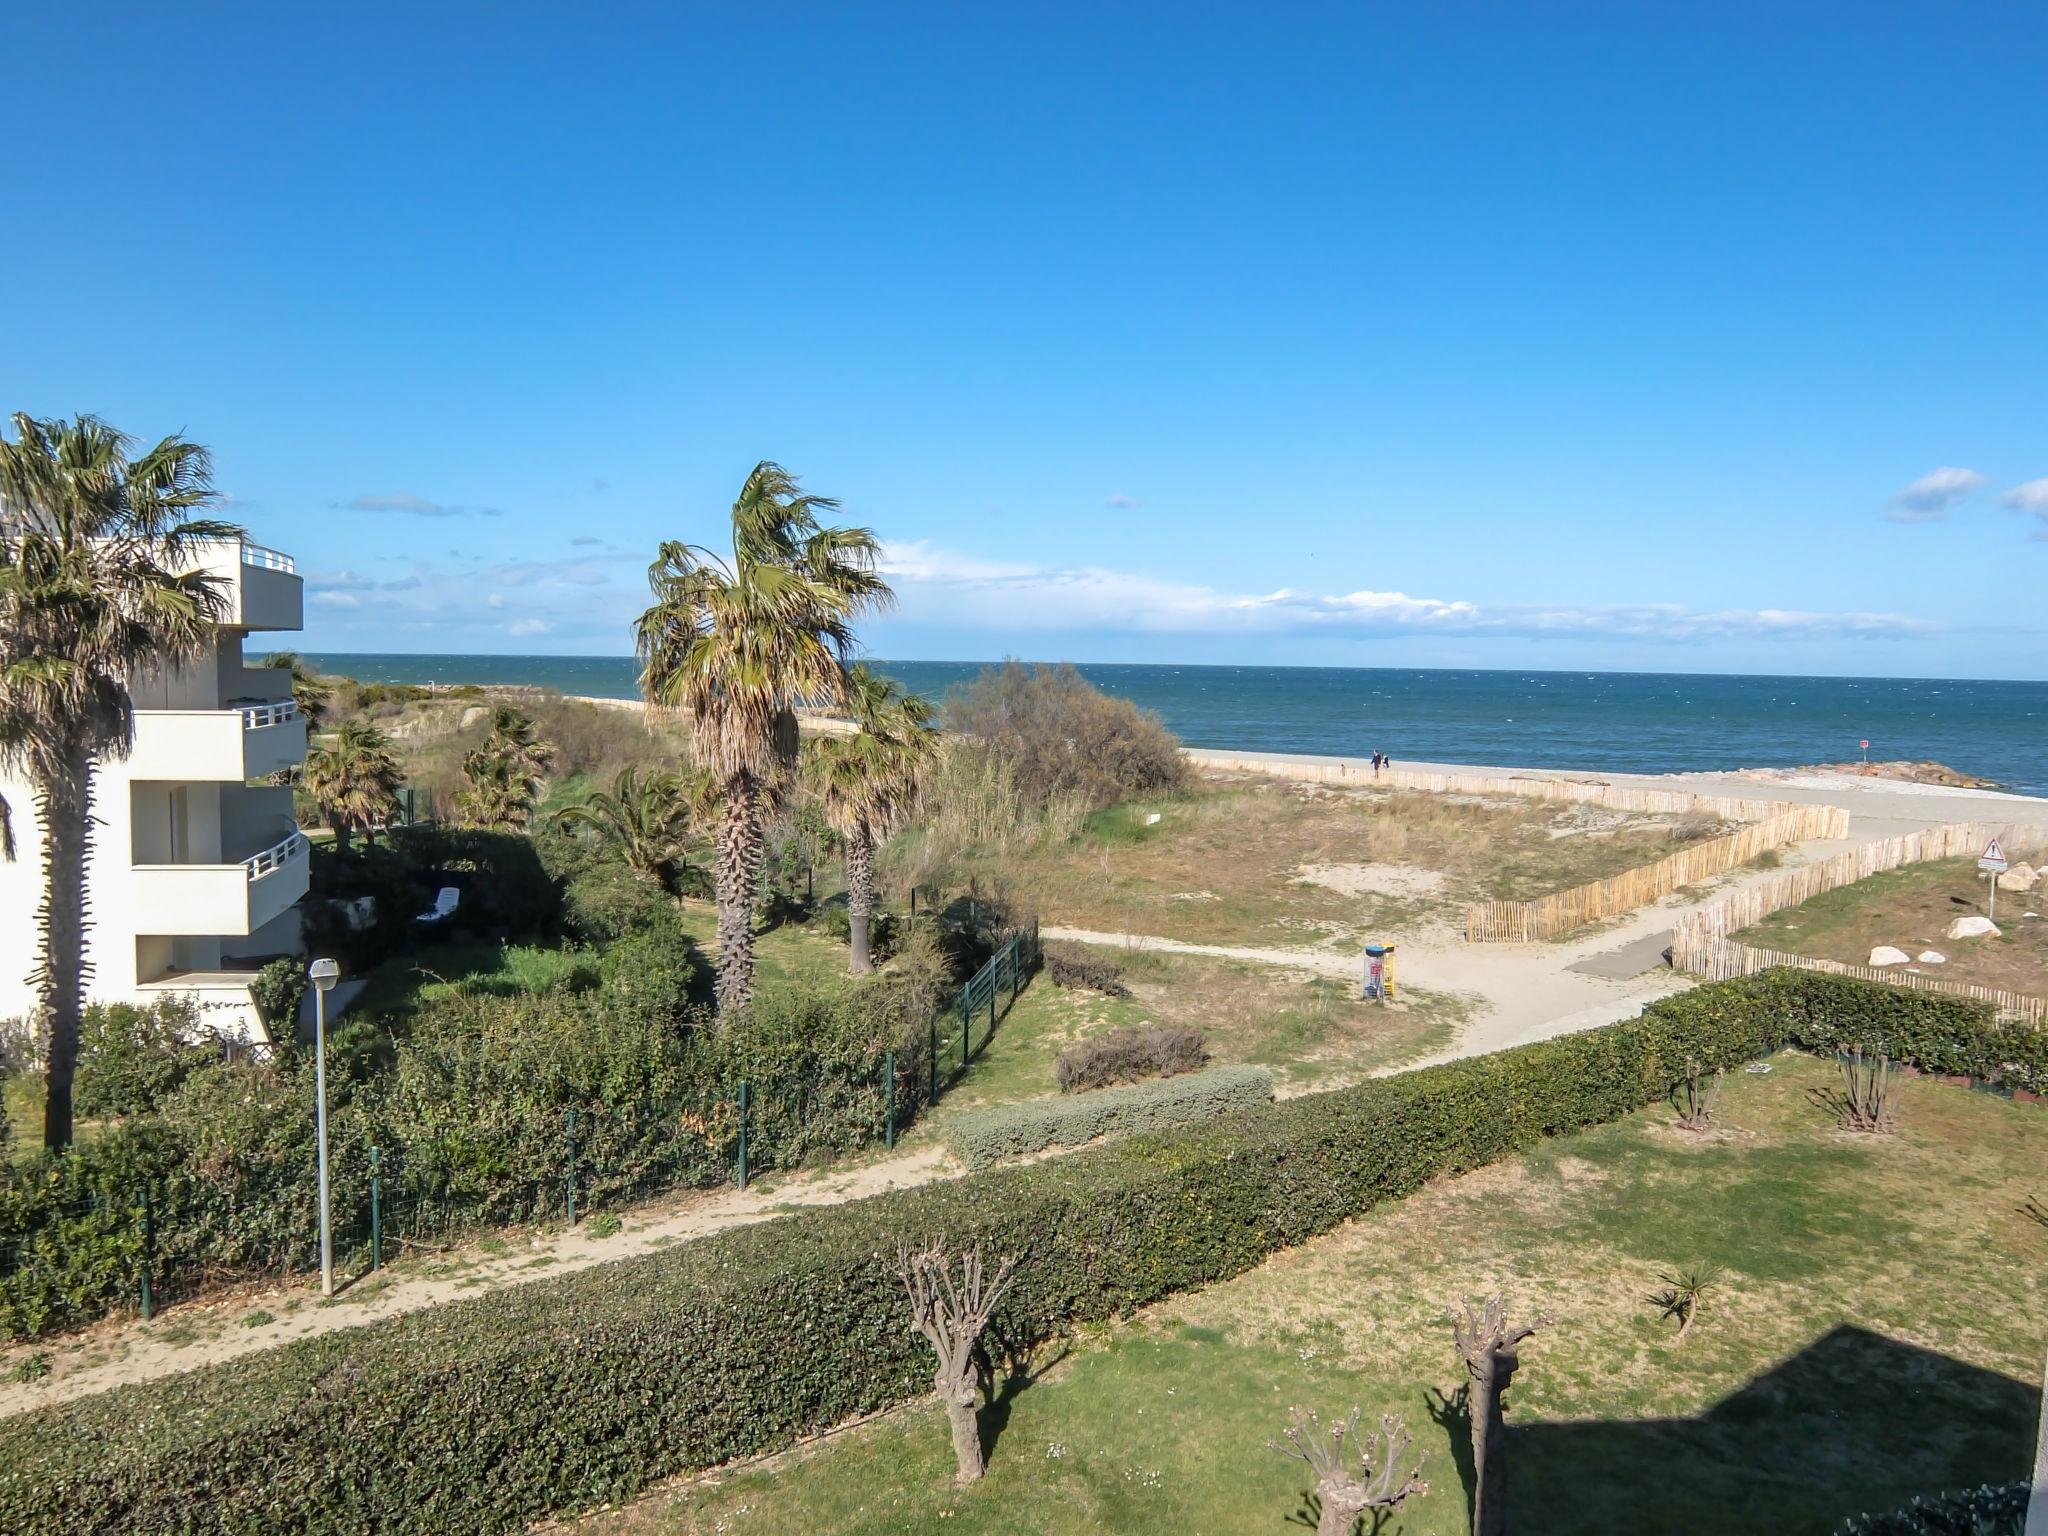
(1001, 1382)
(1855, 1422)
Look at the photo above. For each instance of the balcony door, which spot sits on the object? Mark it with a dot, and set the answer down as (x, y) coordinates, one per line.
(181, 824)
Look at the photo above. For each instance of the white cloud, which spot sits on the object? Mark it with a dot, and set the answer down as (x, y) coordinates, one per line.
(938, 587)
(337, 599)
(2031, 497)
(414, 506)
(1934, 495)
(529, 627)
(1123, 502)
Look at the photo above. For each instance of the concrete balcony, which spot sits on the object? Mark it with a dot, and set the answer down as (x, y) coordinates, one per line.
(222, 746)
(262, 587)
(229, 900)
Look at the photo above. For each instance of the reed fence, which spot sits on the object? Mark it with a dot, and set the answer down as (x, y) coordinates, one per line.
(1702, 942)
(1495, 922)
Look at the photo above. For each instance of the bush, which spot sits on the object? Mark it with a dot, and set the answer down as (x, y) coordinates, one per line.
(610, 901)
(1069, 965)
(883, 931)
(982, 1137)
(279, 988)
(1060, 735)
(1977, 1512)
(130, 1059)
(584, 1388)
(1131, 1055)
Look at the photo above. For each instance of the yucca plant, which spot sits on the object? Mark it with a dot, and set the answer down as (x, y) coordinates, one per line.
(1696, 1095)
(647, 821)
(1685, 1292)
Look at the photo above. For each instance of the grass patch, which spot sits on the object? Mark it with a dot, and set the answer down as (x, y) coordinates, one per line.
(1911, 908)
(1866, 1285)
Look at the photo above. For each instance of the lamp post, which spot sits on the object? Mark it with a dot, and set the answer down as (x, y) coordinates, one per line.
(323, 974)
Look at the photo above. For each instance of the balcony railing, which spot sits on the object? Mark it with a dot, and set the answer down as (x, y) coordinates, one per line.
(256, 716)
(269, 559)
(276, 856)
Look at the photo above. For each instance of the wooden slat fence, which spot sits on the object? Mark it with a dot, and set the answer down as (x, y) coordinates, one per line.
(1702, 946)
(1548, 916)
(1774, 824)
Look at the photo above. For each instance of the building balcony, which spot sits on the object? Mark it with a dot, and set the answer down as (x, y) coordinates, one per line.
(222, 746)
(261, 586)
(230, 900)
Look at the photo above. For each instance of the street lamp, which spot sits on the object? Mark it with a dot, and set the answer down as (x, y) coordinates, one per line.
(323, 974)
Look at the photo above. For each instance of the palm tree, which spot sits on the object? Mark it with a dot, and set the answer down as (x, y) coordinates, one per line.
(737, 645)
(867, 783)
(504, 773)
(309, 691)
(98, 581)
(354, 778)
(647, 821)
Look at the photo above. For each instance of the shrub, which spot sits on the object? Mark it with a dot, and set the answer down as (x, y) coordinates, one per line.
(1060, 735)
(1069, 965)
(1131, 1055)
(983, 1137)
(1978, 1512)
(609, 901)
(278, 990)
(883, 929)
(130, 1059)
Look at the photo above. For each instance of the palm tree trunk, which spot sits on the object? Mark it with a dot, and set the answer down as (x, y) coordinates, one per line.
(60, 977)
(860, 896)
(739, 878)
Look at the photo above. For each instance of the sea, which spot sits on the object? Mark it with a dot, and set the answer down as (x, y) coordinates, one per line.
(1615, 722)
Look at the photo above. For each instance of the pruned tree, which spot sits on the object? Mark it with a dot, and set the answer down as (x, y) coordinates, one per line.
(1345, 1492)
(1866, 1102)
(953, 1313)
(1685, 1290)
(1489, 1346)
(1696, 1094)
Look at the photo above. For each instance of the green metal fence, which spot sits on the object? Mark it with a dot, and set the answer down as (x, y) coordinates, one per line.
(959, 1032)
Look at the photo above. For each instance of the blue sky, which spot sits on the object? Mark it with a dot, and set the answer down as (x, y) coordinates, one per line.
(1464, 335)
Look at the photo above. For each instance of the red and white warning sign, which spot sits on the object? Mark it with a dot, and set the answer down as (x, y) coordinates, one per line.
(1994, 858)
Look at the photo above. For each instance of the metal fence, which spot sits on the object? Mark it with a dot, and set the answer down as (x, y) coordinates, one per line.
(979, 1006)
(382, 1209)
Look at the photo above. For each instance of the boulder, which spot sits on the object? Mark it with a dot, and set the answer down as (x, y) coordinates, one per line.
(1885, 954)
(1973, 928)
(2021, 877)
(1933, 957)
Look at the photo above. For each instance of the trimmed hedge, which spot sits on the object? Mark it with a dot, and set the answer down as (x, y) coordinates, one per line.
(983, 1137)
(1987, 1511)
(560, 1394)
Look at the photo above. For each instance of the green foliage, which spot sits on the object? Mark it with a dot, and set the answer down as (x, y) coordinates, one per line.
(983, 1137)
(1063, 737)
(603, 1224)
(278, 989)
(739, 1343)
(130, 1058)
(1975, 1512)
(31, 1367)
(605, 904)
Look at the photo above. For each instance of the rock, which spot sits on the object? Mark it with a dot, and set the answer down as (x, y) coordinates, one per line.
(1933, 957)
(2021, 877)
(1973, 928)
(1885, 954)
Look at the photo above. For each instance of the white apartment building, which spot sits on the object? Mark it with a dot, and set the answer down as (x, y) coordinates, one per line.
(197, 866)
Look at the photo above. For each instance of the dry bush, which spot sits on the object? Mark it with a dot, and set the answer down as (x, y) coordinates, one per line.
(1071, 966)
(1131, 1055)
(1061, 735)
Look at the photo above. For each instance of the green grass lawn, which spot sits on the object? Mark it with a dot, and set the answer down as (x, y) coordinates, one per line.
(1879, 1334)
(1911, 908)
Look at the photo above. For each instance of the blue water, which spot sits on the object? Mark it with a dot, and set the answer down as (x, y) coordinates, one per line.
(1632, 722)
